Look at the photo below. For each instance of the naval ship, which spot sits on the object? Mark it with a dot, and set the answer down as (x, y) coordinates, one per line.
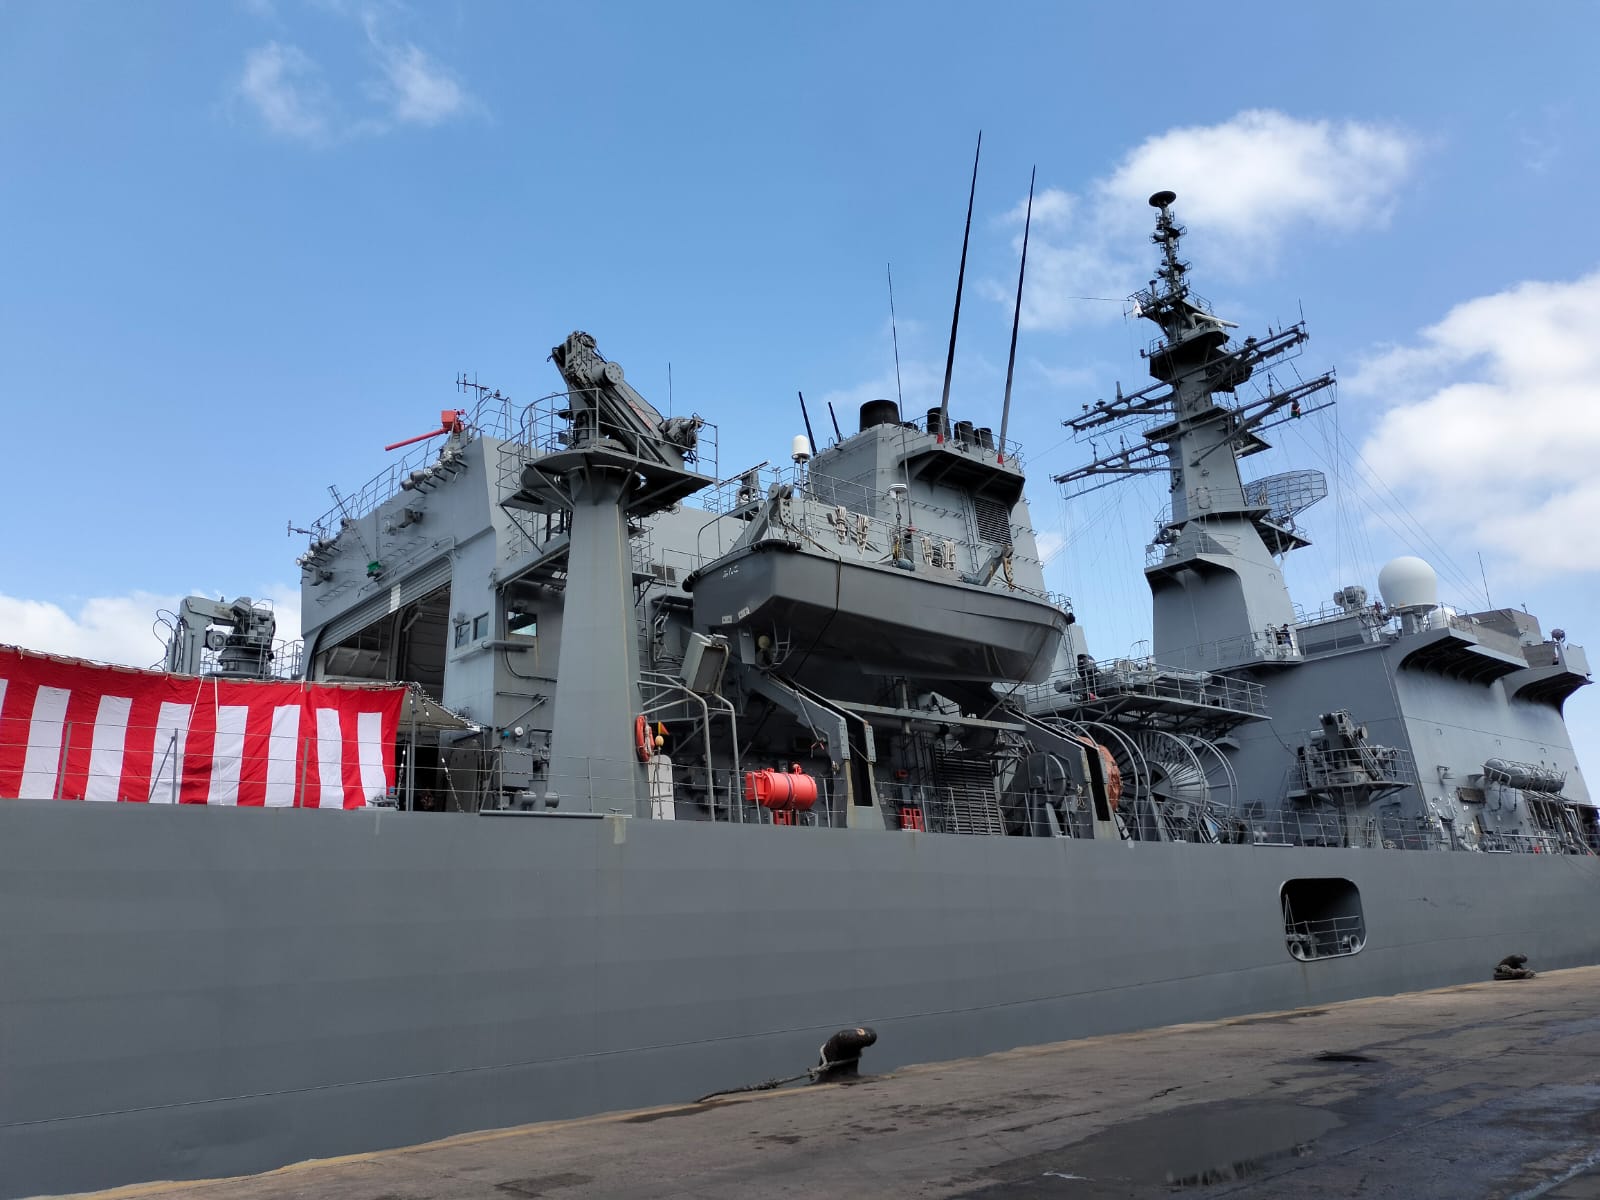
(709, 765)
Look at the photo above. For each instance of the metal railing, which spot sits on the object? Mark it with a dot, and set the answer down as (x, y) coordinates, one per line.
(1327, 937)
(1347, 768)
(980, 443)
(1523, 843)
(287, 660)
(545, 427)
(1144, 677)
(84, 761)
(492, 416)
(859, 523)
(247, 763)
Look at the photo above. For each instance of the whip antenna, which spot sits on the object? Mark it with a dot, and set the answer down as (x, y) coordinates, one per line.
(806, 417)
(961, 277)
(1016, 318)
(894, 333)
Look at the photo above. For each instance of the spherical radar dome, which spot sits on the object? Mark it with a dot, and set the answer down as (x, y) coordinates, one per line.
(1409, 583)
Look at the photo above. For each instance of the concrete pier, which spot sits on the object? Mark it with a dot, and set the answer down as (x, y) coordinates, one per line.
(1486, 1090)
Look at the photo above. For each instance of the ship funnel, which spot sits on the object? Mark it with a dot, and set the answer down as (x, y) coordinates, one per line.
(1163, 199)
(879, 412)
(1409, 585)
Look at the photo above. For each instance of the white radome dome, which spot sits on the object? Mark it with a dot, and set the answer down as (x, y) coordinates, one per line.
(1409, 583)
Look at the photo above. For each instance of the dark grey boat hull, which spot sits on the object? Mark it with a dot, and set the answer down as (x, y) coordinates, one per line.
(882, 618)
(195, 992)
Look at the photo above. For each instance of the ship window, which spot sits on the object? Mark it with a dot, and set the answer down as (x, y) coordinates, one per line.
(522, 624)
(480, 627)
(994, 521)
(462, 630)
(1322, 918)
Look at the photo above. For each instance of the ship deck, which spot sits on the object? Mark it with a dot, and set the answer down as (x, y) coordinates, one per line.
(1487, 1089)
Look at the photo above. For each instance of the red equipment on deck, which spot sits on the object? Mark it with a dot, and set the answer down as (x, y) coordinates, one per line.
(450, 421)
(781, 790)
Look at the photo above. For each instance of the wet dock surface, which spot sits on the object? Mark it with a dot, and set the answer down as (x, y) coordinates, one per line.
(1486, 1090)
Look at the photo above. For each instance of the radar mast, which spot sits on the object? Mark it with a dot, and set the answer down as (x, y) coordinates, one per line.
(1218, 594)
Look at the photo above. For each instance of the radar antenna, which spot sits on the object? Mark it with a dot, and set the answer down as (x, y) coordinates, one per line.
(1213, 549)
(955, 318)
(1016, 320)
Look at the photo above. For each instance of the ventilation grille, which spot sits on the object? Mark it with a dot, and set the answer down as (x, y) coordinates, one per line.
(994, 521)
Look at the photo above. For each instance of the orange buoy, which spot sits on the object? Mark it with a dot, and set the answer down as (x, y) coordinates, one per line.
(641, 738)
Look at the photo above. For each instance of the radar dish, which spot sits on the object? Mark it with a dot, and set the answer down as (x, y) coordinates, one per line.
(1288, 495)
(1162, 199)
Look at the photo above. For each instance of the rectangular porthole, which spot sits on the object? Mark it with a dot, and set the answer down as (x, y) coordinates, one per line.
(1322, 918)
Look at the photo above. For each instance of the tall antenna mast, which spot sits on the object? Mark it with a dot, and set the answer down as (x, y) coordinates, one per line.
(806, 417)
(894, 333)
(961, 277)
(1016, 319)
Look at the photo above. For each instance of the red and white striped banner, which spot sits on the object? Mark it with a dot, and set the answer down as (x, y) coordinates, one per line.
(76, 730)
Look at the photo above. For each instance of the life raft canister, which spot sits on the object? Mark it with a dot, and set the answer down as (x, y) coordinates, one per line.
(791, 789)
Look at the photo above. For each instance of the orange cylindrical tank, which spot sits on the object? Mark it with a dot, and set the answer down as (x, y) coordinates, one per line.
(781, 789)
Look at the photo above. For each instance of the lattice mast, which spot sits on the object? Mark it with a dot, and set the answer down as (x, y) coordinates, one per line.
(1212, 576)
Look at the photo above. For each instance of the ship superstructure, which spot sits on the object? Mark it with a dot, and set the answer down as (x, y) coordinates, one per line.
(700, 737)
(1394, 722)
(847, 615)
(630, 632)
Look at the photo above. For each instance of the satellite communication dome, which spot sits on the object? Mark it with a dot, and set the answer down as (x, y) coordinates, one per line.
(1408, 583)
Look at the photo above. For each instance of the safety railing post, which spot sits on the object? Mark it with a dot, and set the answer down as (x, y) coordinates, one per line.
(61, 760)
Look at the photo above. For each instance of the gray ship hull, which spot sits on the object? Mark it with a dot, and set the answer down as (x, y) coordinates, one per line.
(884, 619)
(195, 992)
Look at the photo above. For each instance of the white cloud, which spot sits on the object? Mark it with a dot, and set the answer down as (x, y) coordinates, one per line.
(1245, 184)
(918, 381)
(415, 89)
(1052, 209)
(1492, 427)
(1254, 178)
(293, 99)
(115, 629)
(285, 89)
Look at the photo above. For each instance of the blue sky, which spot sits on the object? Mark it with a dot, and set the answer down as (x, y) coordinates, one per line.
(247, 244)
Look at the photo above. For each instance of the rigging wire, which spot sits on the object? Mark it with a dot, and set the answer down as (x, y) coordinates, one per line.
(1423, 538)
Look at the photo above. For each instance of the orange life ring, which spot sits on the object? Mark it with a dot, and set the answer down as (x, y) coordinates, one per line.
(641, 738)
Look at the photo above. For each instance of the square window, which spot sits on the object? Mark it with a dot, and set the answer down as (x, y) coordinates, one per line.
(522, 624)
(480, 627)
(462, 630)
